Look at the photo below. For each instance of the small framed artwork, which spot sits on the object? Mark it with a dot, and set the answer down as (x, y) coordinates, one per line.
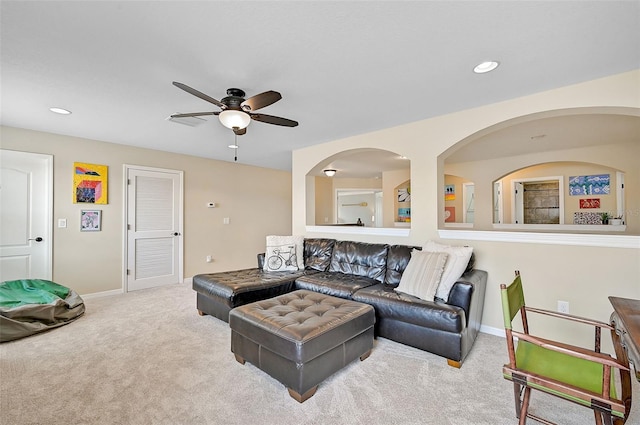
(90, 183)
(90, 220)
(590, 203)
(404, 215)
(450, 192)
(449, 214)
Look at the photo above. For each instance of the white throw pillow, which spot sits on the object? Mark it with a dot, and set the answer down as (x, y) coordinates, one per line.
(457, 261)
(423, 273)
(284, 253)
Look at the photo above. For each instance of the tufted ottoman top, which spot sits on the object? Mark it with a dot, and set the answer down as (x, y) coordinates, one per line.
(301, 325)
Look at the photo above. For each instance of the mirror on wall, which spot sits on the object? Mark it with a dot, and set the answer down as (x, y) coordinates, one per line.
(361, 191)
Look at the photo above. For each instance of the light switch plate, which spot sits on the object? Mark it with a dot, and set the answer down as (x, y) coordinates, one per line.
(62, 222)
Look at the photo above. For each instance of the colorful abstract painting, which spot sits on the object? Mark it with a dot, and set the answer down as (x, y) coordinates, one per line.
(90, 183)
(598, 184)
(404, 215)
(450, 192)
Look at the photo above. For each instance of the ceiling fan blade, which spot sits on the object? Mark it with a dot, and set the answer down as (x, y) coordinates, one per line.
(261, 100)
(240, 131)
(194, 114)
(199, 94)
(270, 119)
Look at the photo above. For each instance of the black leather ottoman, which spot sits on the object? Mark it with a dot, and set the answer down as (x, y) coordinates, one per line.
(218, 293)
(302, 337)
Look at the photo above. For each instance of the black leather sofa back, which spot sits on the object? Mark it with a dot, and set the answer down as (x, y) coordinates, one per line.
(397, 259)
(360, 259)
(317, 253)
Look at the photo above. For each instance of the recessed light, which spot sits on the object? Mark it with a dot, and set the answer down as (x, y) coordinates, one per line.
(486, 67)
(60, 111)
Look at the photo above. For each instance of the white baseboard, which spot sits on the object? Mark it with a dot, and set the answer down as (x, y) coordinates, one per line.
(102, 294)
(492, 331)
(188, 280)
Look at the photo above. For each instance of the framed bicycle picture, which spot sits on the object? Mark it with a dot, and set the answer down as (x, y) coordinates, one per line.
(90, 220)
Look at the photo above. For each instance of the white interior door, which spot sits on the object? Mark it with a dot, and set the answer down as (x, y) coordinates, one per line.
(468, 202)
(154, 227)
(518, 203)
(498, 212)
(26, 182)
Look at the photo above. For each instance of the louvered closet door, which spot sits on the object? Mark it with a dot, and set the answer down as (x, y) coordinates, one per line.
(154, 231)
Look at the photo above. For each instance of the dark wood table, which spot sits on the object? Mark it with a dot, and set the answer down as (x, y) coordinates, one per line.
(626, 320)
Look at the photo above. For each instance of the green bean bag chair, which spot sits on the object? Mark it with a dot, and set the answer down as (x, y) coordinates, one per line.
(30, 306)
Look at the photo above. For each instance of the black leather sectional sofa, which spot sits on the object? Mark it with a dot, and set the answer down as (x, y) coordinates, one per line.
(367, 273)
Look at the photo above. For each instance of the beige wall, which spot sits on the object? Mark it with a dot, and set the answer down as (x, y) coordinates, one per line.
(324, 205)
(582, 275)
(256, 200)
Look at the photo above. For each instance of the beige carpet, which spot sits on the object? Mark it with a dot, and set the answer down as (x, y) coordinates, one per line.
(147, 358)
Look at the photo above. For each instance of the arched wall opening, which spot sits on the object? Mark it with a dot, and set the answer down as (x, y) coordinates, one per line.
(362, 192)
(579, 142)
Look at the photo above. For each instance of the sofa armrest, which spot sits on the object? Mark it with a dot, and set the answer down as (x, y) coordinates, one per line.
(468, 293)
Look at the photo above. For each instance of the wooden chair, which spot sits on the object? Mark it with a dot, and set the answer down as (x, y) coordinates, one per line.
(575, 374)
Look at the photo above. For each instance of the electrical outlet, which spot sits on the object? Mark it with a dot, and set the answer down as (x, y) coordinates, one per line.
(563, 307)
(209, 259)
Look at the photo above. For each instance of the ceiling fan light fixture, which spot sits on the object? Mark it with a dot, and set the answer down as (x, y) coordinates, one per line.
(329, 172)
(231, 118)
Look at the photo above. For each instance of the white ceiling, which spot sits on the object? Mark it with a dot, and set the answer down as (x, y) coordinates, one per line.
(343, 68)
(550, 134)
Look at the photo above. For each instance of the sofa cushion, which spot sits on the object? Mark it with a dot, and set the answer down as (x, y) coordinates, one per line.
(238, 287)
(398, 258)
(360, 259)
(422, 275)
(284, 253)
(391, 304)
(317, 253)
(457, 262)
(334, 283)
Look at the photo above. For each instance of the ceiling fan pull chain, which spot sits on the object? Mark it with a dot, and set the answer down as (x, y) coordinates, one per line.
(236, 147)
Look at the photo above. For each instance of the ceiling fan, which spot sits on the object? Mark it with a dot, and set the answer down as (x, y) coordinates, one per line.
(237, 112)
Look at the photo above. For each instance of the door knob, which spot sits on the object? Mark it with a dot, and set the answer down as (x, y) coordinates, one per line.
(176, 234)
(38, 239)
